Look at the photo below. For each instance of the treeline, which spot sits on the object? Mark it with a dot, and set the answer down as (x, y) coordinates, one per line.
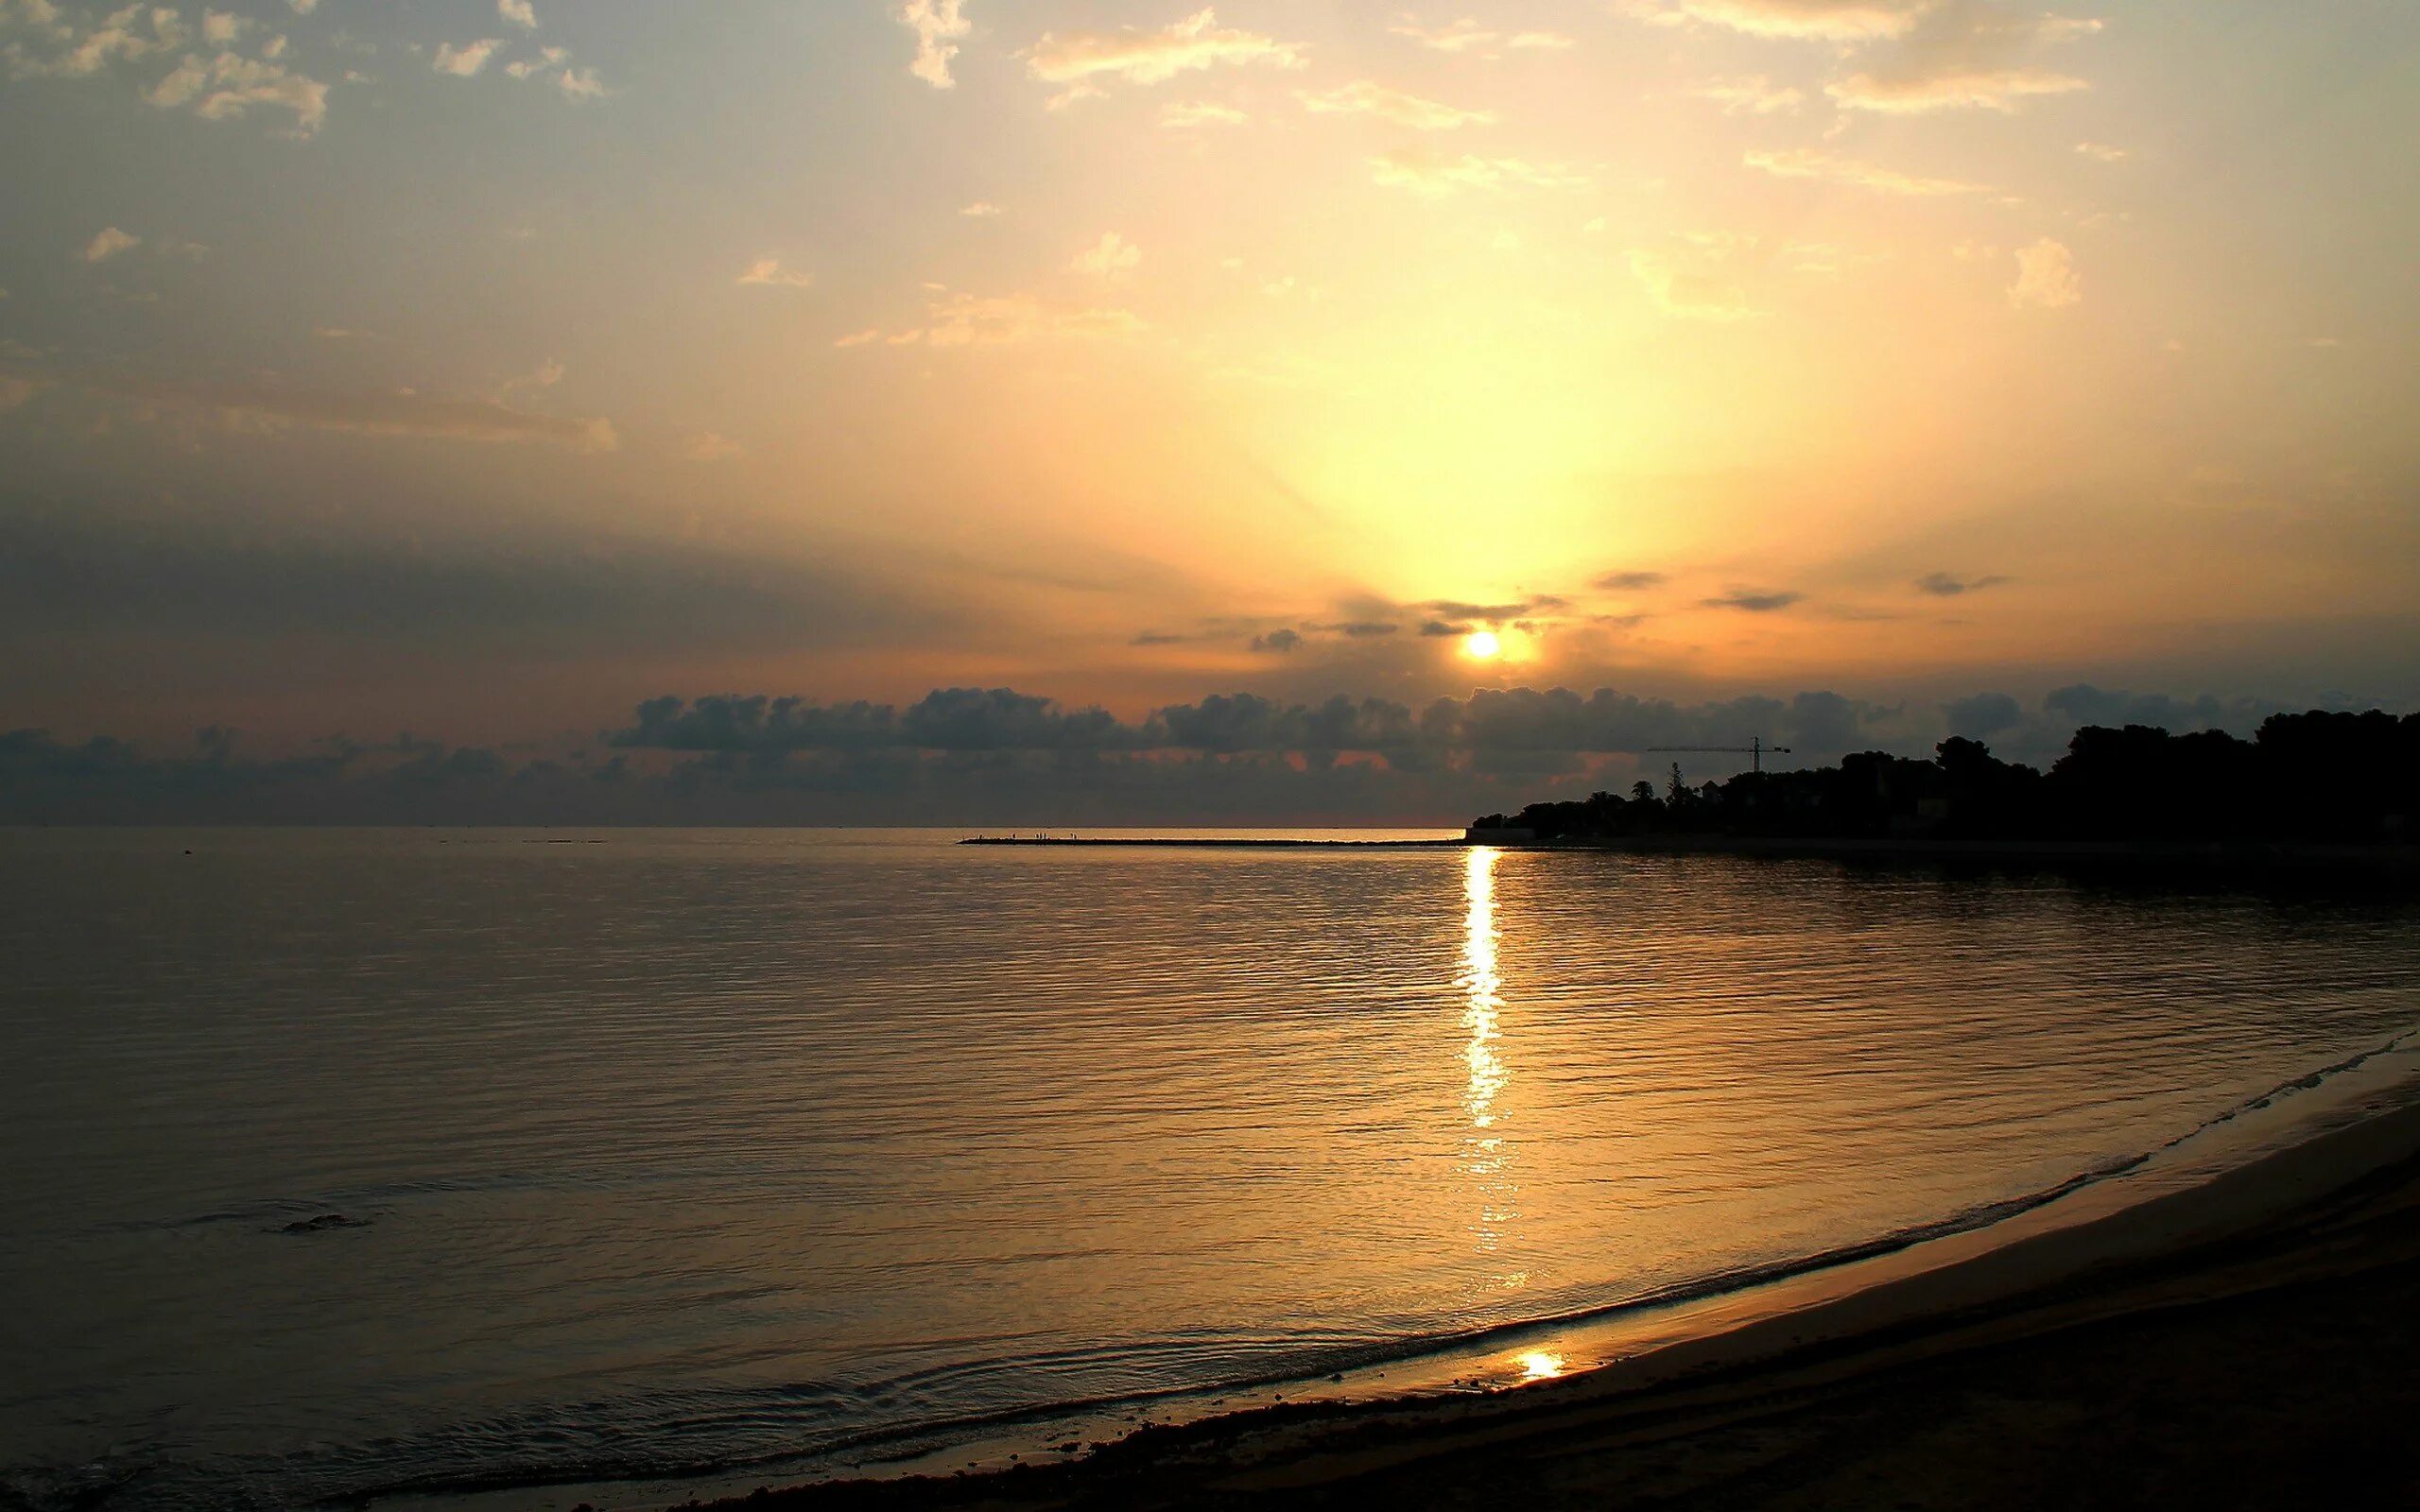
(2335, 778)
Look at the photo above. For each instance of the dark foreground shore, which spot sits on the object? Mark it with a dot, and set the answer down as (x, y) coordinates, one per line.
(2251, 1341)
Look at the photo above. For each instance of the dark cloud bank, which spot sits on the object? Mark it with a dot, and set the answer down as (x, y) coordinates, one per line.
(996, 757)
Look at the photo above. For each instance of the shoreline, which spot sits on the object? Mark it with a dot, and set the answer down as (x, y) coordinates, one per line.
(2230, 854)
(2342, 1203)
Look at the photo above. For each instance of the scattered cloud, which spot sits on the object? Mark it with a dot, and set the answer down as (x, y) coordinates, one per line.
(959, 319)
(1808, 162)
(2046, 277)
(1112, 256)
(1987, 89)
(1691, 277)
(1948, 585)
(2100, 152)
(108, 243)
(938, 24)
(980, 210)
(1630, 582)
(1841, 21)
(1432, 173)
(1973, 55)
(767, 272)
(1747, 95)
(1083, 60)
(268, 410)
(1363, 97)
(520, 13)
(706, 446)
(466, 61)
(1755, 602)
(1468, 36)
(1186, 116)
(1277, 642)
(554, 64)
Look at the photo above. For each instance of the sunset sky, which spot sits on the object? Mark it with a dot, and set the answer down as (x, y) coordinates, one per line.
(483, 368)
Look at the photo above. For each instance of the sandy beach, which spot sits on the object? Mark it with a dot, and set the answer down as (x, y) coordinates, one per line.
(2251, 1340)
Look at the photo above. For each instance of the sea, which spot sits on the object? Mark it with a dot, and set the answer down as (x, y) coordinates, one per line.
(429, 1166)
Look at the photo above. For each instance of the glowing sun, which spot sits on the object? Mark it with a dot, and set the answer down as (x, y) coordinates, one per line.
(1482, 646)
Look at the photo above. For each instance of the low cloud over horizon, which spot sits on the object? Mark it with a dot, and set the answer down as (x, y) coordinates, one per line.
(973, 756)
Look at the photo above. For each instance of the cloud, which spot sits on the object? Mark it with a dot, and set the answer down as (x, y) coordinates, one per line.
(937, 25)
(1081, 60)
(706, 446)
(963, 319)
(990, 757)
(1112, 256)
(1998, 89)
(1965, 55)
(555, 63)
(15, 390)
(2100, 152)
(1984, 716)
(767, 272)
(980, 210)
(1432, 173)
(1184, 116)
(1278, 641)
(1755, 602)
(1360, 630)
(2046, 278)
(1467, 35)
(520, 13)
(1363, 97)
(1630, 582)
(1746, 94)
(264, 409)
(1808, 163)
(1842, 21)
(222, 27)
(1690, 281)
(1945, 585)
(467, 59)
(107, 244)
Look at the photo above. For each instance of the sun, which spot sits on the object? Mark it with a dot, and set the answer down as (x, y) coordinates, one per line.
(1482, 646)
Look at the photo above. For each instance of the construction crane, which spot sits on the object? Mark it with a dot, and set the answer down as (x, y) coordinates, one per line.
(1754, 750)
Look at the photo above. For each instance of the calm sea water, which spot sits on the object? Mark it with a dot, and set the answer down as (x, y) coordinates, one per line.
(669, 1151)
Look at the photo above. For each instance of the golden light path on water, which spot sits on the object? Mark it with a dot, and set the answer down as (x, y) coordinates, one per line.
(1487, 1159)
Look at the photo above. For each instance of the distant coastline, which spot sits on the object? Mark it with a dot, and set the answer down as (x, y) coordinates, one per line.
(2226, 854)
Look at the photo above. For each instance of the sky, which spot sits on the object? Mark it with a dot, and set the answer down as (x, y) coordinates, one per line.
(487, 368)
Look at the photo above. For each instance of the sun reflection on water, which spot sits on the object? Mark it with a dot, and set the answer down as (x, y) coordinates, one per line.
(1486, 1157)
(1541, 1365)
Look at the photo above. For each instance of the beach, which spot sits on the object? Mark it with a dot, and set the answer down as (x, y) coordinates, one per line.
(2254, 1339)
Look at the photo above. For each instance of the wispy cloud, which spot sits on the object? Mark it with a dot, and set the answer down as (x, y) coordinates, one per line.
(1468, 36)
(1080, 61)
(1756, 602)
(1112, 256)
(1187, 115)
(1433, 173)
(1846, 21)
(767, 272)
(1364, 97)
(1747, 95)
(1808, 162)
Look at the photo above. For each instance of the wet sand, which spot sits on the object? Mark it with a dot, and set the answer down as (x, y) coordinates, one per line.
(2252, 1340)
